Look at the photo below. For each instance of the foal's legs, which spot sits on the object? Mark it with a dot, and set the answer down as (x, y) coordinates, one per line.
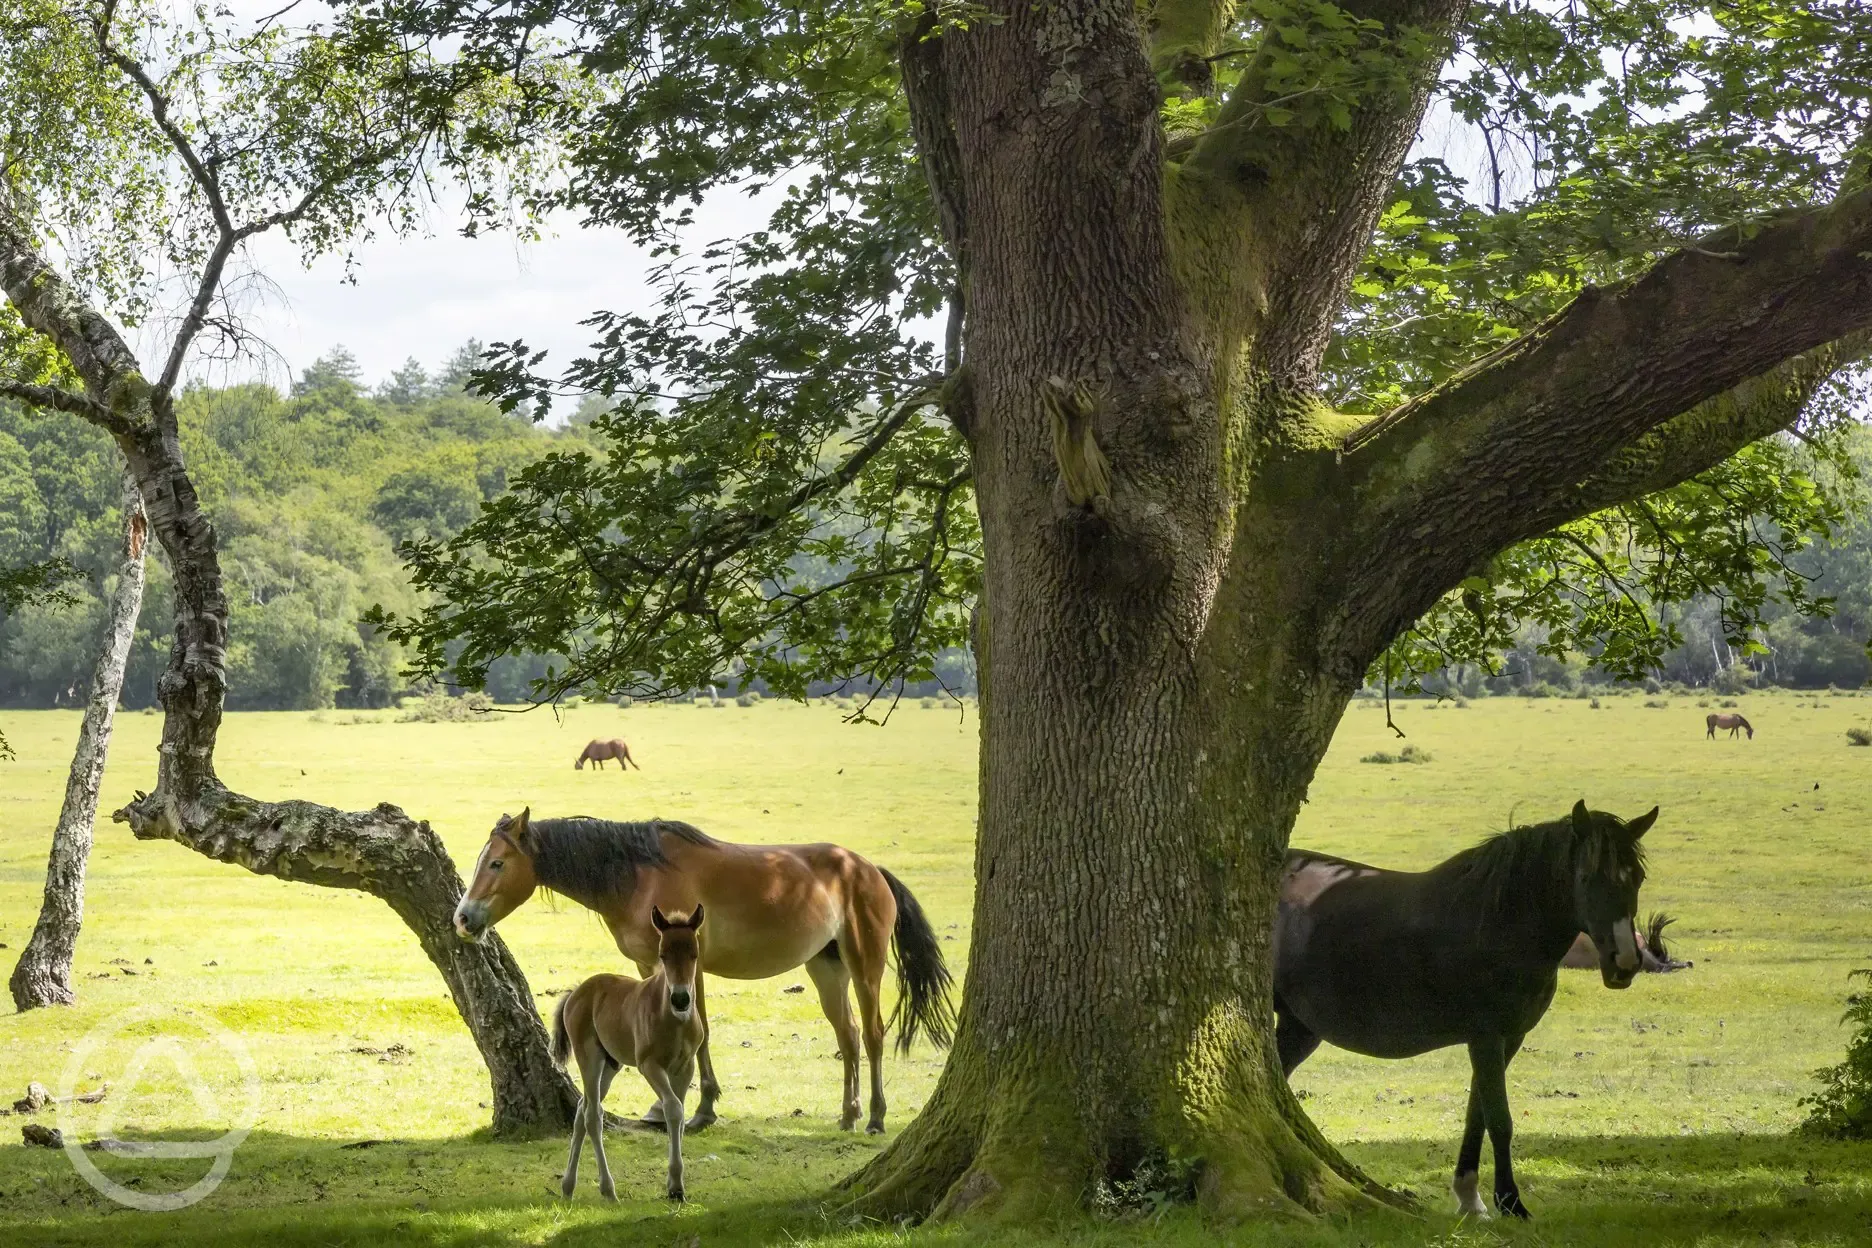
(672, 1102)
(1488, 1107)
(831, 978)
(711, 1090)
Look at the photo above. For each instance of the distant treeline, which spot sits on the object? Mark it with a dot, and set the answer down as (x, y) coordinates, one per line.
(309, 492)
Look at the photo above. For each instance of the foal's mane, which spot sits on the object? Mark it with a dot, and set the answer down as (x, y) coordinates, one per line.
(1506, 863)
(600, 857)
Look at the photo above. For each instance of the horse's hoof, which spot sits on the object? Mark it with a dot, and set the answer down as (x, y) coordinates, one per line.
(676, 1194)
(566, 1188)
(698, 1122)
(874, 1128)
(1510, 1203)
(848, 1124)
(607, 1191)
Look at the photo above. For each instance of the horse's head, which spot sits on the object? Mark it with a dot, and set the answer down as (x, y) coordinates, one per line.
(1608, 869)
(503, 877)
(679, 954)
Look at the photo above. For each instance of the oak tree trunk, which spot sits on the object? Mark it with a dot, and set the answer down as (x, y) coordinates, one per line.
(43, 974)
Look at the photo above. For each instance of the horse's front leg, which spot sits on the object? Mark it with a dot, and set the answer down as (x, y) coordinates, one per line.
(1488, 1063)
(1469, 1159)
(671, 1100)
(711, 1090)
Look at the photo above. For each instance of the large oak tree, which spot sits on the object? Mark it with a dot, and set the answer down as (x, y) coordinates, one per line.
(1232, 404)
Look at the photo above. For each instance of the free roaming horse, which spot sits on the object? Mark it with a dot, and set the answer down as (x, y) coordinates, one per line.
(611, 1021)
(597, 751)
(1653, 957)
(1734, 723)
(775, 907)
(1397, 963)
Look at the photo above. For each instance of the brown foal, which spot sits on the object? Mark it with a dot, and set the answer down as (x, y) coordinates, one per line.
(613, 1021)
(597, 751)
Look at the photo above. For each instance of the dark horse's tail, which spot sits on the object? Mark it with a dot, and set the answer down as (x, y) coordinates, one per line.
(562, 1039)
(923, 978)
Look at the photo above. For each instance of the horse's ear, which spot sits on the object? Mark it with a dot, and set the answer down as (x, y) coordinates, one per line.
(1642, 824)
(656, 918)
(1582, 819)
(522, 829)
(695, 917)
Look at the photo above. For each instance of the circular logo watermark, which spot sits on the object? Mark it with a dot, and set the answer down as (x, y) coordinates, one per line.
(189, 1043)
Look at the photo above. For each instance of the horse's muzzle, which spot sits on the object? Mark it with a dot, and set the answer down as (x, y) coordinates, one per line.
(680, 1002)
(471, 920)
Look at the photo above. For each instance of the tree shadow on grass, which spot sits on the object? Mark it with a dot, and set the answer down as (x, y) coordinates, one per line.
(755, 1186)
(1704, 1188)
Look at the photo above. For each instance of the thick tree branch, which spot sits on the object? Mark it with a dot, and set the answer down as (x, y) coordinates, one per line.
(1184, 36)
(1313, 188)
(1626, 391)
(57, 399)
(47, 304)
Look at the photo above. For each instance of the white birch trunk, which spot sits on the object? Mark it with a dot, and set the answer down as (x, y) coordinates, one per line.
(43, 976)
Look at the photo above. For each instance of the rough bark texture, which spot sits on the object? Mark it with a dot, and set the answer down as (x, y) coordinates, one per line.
(1190, 566)
(382, 851)
(43, 973)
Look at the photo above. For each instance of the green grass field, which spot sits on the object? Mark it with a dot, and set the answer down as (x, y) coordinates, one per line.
(1655, 1116)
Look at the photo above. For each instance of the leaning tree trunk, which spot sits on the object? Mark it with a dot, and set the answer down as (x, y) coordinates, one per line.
(380, 851)
(43, 975)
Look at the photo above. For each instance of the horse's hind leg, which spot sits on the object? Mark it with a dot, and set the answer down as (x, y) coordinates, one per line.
(865, 950)
(831, 978)
(1294, 1040)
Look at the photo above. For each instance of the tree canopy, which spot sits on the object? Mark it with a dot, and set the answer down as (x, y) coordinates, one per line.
(787, 487)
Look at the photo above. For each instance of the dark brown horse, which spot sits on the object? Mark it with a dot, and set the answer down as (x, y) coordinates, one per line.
(771, 908)
(1734, 723)
(1397, 963)
(598, 751)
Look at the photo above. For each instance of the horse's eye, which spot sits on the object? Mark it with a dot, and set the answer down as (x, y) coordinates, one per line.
(495, 865)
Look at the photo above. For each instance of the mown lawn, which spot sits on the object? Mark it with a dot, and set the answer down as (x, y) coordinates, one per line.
(1656, 1116)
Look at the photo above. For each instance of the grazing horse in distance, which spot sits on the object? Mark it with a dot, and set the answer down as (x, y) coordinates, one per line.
(597, 751)
(775, 907)
(1734, 723)
(1653, 957)
(1397, 963)
(611, 1022)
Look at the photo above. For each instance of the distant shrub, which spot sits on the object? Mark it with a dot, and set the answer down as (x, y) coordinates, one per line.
(625, 701)
(1651, 685)
(1461, 703)
(1702, 701)
(1409, 754)
(1727, 702)
(1594, 704)
(929, 704)
(1539, 690)
(1656, 704)
(747, 699)
(437, 707)
(1859, 736)
(1842, 1108)
(1732, 680)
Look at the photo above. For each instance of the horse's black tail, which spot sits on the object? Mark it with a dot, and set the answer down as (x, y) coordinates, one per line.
(923, 978)
(561, 1038)
(1654, 934)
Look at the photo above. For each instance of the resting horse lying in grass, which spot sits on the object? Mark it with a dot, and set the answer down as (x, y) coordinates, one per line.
(1653, 957)
(1396, 963)
(776, 907)
(611, 1022)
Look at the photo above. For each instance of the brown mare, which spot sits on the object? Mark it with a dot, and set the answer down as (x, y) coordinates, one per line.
(773, 908)
(1734, 723)
(597, 751)
(611, 1022)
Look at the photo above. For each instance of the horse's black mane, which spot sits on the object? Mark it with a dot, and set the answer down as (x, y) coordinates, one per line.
(581, 855)
(1508, 862)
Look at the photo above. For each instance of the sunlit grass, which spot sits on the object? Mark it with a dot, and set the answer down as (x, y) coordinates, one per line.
(1652, 1116)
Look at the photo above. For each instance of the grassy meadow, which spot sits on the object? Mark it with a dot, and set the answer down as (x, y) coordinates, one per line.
(1655, 1116)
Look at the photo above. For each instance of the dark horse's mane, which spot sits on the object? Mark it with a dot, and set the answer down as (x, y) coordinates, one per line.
(1508, 862)
(600, 857)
